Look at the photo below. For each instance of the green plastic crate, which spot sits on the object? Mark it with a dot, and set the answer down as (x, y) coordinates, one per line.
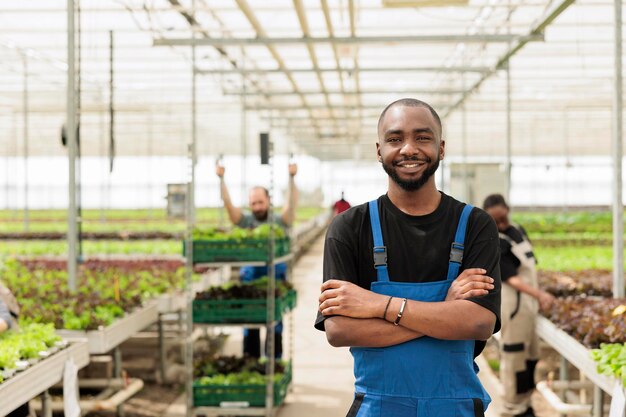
(246, 250)
(254, 395)
(240, 310)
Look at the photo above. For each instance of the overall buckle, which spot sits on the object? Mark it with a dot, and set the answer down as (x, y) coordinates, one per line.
(456, 252)
(380, 256)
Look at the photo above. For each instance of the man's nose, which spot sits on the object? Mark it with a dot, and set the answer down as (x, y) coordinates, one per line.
(409, 148)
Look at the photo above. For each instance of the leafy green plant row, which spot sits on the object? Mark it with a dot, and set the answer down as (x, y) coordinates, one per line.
(256, 289)
(564, 222)
(611, 358)
(127, 220)
(593, 282)
(232, 370)
(590, 321)
(103, 294)
(94, 226)
(25, 343)
(573, 258)
(261, 232)
(90, 247)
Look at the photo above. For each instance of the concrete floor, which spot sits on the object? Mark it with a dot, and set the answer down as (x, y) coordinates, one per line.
(323, 383)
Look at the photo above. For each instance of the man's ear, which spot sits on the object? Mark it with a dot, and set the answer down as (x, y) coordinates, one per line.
(378, 155)
(442, 149)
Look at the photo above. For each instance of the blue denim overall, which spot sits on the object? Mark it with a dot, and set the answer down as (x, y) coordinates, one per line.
(424, 377)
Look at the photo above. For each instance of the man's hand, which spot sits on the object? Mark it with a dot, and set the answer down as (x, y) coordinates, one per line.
(293, 170)
(545, 300)
(343, 298)
(219, 170)
(471, 282)
(3, 325)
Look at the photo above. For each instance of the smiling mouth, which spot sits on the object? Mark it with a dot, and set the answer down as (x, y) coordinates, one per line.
(412, 164)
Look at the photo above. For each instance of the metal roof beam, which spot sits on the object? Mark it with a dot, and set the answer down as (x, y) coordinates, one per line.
(331, 33)
(304, 25)
(372, 69)
(355, 107)
(405, 93)
(247, 11)
(537, 29)
(360, 40)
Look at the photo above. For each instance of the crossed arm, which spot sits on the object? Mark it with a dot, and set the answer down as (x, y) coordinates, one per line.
(357, 314)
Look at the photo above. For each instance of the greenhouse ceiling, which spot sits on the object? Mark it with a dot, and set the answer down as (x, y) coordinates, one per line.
(314, 73)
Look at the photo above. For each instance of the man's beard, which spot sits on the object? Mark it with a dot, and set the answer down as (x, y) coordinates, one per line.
(412, 185)
(260, 215)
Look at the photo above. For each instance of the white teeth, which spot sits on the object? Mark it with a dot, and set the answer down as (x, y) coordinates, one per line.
(410, 165)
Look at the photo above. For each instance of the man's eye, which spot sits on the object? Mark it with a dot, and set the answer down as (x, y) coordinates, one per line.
(423, 138)
(393, 139)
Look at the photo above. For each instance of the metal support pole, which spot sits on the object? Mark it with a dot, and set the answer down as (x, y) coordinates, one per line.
(7, 166)
(509, 133)
(244, 130)
(161, 348)
(46, 404)
(466, 183)
(79, 191)
(25, 131)
(443, 175)
(598, 402)
(117, 373)
(563, 374)
(72, 236)
(618, 208)
(191, 219)
(271, 301)
(292, 320)
(566, 162)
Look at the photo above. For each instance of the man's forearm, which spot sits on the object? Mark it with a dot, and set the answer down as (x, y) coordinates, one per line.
(347, 331)
(234, 214)
(451, 320)
(288, 214)
(517, 283)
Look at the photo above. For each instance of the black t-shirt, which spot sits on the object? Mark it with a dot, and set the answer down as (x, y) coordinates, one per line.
(418, 248)
(509, 263)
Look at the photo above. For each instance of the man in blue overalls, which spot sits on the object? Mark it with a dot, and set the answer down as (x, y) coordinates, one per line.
(259, 200)
(392, 291)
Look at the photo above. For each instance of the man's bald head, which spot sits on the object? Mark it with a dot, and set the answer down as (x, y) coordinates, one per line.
(410, 102)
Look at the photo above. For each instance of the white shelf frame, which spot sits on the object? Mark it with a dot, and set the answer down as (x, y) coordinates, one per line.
(107, 338)
(577, 354)
(26, 385)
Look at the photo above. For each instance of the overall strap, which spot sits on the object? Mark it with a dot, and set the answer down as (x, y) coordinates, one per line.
(380, 250)
(456, 251)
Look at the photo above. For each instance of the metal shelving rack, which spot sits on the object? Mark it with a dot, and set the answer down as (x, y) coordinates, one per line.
(269, 409)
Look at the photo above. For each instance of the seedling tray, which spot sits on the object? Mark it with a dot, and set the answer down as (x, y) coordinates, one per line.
(253, 394)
